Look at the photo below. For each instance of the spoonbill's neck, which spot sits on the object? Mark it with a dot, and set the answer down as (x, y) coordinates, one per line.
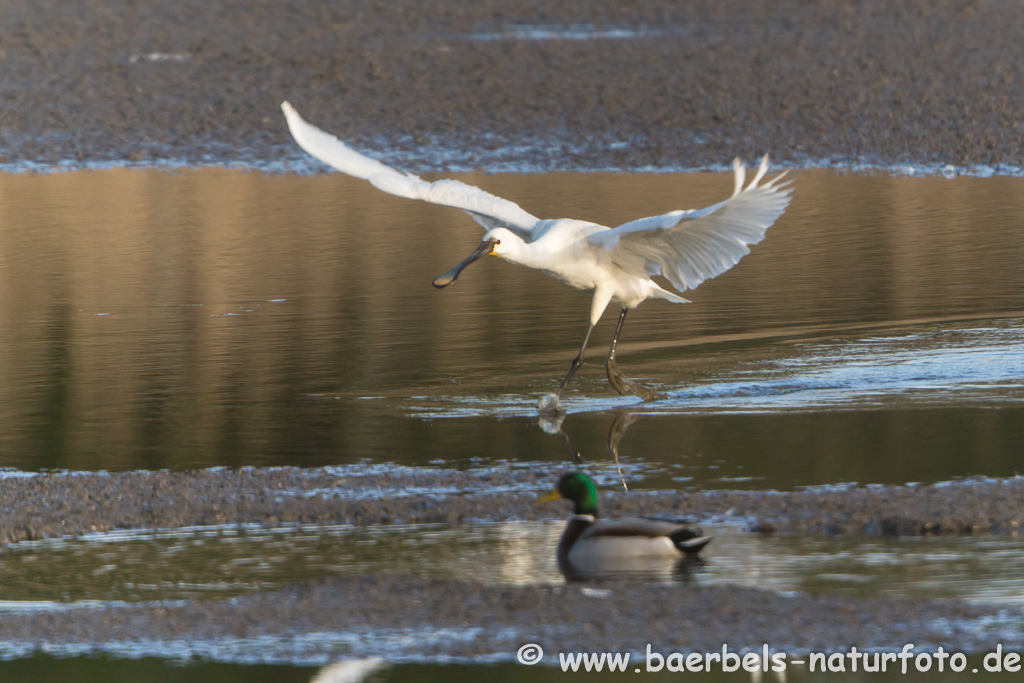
(542, 253)
(516, 250)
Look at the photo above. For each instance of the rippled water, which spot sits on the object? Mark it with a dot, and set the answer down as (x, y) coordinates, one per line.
(222, 562)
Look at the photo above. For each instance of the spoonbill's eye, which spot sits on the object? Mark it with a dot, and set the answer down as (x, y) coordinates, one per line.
(497, 242)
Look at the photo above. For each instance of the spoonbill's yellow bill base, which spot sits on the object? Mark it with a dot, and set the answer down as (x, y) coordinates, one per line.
(617, 264)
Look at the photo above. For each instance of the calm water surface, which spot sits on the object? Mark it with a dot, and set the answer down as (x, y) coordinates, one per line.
(223, 562)
(151, 319)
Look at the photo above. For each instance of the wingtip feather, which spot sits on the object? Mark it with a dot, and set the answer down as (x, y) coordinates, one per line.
(740, 170)
(762, 169)
(291, 114)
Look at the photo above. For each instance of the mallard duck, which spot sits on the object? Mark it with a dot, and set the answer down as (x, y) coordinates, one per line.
(626, 544)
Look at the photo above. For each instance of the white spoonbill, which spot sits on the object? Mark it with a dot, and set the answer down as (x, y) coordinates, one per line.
(617, 264)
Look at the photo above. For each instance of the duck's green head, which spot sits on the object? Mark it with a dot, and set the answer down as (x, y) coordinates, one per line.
(579, 488)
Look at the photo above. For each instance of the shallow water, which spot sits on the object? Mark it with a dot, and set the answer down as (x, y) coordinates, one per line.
(154, 319)
(221, 562)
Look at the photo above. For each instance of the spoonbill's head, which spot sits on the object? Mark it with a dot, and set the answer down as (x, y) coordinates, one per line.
(496, 242)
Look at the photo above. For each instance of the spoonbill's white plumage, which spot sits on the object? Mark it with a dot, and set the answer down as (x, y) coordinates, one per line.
(617, 264)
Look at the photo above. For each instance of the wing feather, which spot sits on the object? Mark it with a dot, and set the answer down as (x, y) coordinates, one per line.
(485, 208)
(631, 526)
(689, 247)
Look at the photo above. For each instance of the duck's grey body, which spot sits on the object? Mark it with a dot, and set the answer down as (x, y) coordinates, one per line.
(587, 540)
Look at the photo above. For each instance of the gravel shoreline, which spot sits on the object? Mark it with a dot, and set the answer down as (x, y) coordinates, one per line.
(54, 505)
(402, 618)
(497, 85)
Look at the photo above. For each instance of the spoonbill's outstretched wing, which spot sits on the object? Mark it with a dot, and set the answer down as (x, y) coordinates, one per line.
(486, 209)
(688, 247)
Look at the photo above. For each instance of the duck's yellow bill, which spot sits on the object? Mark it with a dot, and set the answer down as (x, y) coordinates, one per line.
(550, 496)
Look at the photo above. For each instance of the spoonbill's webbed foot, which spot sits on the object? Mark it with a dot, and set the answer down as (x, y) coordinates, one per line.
(622, 385)
(628, 387)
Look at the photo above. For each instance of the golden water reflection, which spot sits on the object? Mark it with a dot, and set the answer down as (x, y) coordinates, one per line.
(158, 319)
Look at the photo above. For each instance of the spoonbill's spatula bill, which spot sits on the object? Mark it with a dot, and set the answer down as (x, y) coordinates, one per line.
(617, 264)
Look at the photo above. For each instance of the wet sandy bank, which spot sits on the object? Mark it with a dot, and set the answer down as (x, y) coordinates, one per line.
(53, 505)
(423, 619)
(487, 83)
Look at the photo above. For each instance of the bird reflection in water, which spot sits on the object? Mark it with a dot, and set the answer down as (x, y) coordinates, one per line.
(552, 424)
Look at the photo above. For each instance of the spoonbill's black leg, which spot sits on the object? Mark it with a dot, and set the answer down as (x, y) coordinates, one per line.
(576, 362)
(615, 376)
